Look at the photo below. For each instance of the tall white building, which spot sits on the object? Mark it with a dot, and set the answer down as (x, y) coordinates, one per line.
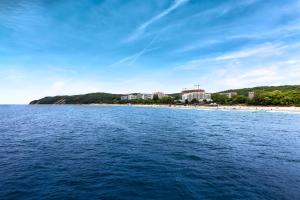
(199, 94)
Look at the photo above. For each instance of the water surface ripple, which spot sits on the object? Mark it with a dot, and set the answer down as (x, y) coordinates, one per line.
(92, 152)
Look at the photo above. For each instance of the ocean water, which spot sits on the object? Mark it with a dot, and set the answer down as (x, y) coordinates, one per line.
(97, 152)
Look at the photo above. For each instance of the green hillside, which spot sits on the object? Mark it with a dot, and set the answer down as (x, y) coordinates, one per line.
(287, 95)
(283, 88)
(80, 99)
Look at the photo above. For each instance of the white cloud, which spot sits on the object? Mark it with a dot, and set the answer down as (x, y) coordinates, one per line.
(271, 64)
(263, 50)
(131, 59)
(144, 26)
(197, 45)
(259, 52)
(241, 78)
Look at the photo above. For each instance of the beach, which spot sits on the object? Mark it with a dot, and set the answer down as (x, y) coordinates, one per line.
(219, 107)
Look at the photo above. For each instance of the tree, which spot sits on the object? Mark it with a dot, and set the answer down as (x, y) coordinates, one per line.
(220, 99)
(166, 100)
(194, 101)
(240, 99)
(155, 97)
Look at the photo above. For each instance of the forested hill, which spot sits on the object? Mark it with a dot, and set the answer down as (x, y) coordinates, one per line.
(287, 95)
(91, 98)
(80, 99)
(283, 88)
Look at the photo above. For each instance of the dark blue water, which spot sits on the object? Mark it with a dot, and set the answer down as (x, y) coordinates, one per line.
(89, 152)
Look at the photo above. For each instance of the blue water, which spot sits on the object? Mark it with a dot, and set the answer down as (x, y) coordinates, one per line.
(92, 152)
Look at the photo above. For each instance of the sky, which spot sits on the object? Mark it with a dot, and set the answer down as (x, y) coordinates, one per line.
(67, 47)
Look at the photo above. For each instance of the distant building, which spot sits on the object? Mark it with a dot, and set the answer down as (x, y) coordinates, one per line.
(228, 94)
(132, 97)
(124, 98)
(137, 96)
(199, 94)
(251, 95)
(160, 95)
(147, 96)
(207, 96)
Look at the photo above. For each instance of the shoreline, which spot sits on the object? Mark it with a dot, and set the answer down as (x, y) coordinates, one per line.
(220, 107)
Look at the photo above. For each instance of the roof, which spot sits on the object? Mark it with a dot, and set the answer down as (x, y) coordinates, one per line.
(192, 90)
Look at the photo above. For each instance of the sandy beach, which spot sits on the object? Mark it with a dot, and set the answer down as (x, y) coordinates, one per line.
(220, 107)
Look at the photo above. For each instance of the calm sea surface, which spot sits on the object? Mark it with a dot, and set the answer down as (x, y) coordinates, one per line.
(94, 152)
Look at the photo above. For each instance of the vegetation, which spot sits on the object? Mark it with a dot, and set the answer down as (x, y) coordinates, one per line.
(100, 98)
(194, 101)
(270, 95)
(273, 95)
(80, 99)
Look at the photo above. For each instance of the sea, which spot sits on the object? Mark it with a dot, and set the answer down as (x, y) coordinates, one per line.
(126, 152)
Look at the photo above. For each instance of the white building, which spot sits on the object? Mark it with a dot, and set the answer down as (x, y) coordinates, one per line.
(228, 94)
(160, 95)
(137, 96)
(132, 97)
(124, 98)
(147, 96)
(207, 96)
(251, 95)
(199, 94)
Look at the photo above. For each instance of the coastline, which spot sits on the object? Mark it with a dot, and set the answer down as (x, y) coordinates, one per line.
(220, 107)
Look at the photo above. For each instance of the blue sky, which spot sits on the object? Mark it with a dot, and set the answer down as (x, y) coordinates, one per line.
(71, 47)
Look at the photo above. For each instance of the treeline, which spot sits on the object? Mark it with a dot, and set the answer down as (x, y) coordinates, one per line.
(103, 98)
(270, 95)
(97, 98)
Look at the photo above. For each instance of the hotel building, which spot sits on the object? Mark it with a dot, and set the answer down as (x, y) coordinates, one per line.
(199, 94)
(228, 94)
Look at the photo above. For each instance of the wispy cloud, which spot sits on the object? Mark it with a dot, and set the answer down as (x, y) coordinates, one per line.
(256, 53)
(197, 45)
(272, 64)
(130, 60)
(143, 27)
(239, 77)
(227, 8)
(269, 49)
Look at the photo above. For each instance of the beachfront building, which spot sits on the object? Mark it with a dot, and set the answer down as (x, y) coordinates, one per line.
(147, 96)
(139, 96)
(207, 96)
(160, 95)
(251, 95)
(136, 96)
(228, 94)
(124, 98)
(132, 97)
(199, 94)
